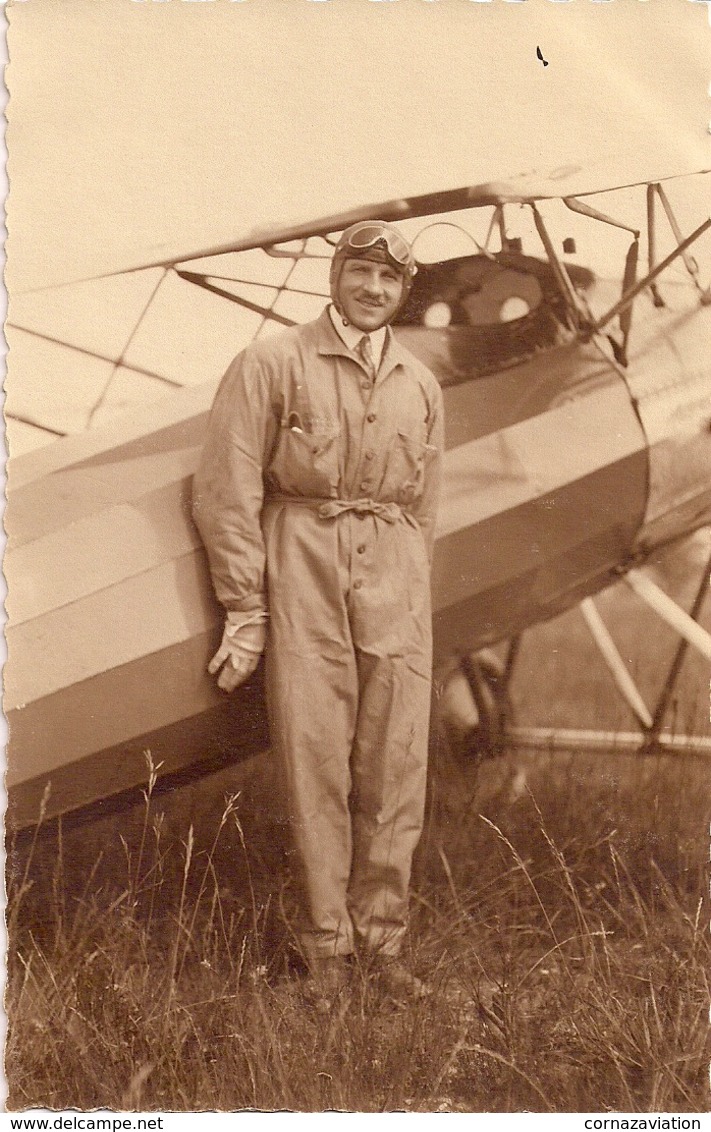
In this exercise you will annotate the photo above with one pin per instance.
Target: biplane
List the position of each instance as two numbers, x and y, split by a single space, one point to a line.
578 415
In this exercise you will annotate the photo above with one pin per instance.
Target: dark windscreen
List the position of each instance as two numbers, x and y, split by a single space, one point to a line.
492 311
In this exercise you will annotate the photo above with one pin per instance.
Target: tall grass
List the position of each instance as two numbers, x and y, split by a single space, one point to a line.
567 951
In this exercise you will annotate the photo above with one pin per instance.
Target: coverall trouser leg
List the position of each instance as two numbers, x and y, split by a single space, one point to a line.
348 685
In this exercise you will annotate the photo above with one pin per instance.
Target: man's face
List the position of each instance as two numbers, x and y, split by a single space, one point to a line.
369 293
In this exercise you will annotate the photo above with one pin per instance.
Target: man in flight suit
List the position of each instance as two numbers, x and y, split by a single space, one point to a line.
316 498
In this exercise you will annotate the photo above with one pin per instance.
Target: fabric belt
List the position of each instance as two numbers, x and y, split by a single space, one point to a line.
331 508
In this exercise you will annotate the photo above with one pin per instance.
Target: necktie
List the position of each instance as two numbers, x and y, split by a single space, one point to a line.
365 349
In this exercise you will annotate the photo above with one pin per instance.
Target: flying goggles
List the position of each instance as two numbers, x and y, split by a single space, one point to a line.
364 237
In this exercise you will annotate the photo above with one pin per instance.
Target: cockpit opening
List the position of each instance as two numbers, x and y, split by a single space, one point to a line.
495 310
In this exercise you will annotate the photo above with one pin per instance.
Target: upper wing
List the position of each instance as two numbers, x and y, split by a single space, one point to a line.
566 181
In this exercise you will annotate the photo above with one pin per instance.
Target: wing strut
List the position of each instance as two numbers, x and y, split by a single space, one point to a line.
649 278
11 416
578 315
594 214
652 242
140 370
119 361
689 262
647 740
265 312
673 674
685 624
618 669
670 612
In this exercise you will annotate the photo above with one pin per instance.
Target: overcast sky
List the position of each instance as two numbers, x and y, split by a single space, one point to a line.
139 123
143 125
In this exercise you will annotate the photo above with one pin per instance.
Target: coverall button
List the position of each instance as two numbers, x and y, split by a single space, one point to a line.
370 418
365 385
361 549
369 455
364 485
357 584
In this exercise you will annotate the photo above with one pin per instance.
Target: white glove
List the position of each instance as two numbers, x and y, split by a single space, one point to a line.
242 645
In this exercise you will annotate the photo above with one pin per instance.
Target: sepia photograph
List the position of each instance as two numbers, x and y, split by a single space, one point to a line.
358 551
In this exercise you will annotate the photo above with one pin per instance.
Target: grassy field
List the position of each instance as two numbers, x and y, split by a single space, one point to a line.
559 912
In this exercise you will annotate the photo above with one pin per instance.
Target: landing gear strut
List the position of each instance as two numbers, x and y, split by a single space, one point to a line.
475 705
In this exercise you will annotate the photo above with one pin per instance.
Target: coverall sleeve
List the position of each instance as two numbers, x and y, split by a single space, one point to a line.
425 510
228 488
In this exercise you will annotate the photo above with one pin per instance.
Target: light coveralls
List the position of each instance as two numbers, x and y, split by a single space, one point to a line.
316 498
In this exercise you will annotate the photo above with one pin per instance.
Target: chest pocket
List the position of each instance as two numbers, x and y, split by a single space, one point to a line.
306 463
405 467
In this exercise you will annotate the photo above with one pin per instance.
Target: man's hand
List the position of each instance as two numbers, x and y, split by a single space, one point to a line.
238 655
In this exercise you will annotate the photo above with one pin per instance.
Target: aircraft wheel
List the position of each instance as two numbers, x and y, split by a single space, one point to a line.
475 706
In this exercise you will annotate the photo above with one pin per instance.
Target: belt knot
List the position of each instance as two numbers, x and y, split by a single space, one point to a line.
390 512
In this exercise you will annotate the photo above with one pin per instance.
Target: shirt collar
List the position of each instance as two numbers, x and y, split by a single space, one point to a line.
351 335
